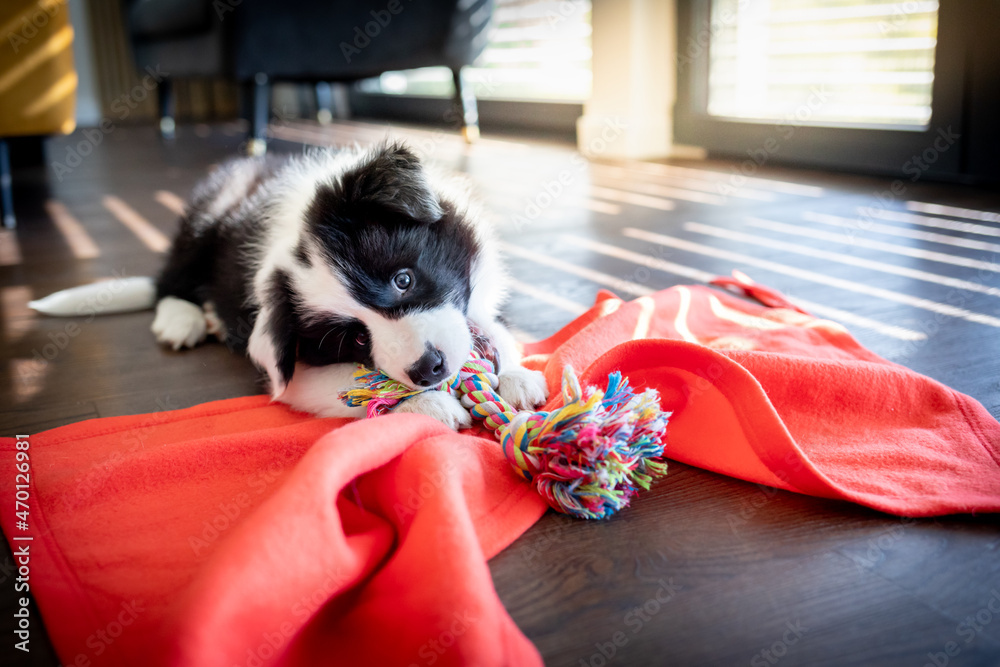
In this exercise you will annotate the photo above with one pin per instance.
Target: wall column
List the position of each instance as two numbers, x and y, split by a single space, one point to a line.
630 112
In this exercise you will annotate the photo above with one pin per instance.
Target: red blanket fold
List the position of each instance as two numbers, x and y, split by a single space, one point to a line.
241 533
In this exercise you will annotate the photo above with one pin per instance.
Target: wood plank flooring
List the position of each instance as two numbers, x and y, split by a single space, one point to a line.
705 570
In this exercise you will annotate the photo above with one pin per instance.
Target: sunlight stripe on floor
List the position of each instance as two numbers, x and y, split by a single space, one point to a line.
10 249
954 211
860 321
548 297
632 174
79 241
379 131
729 179
655 189
617 284
353 133
309 138
691 273
850 260
144 230
170 201
571 197
928 221
643 260
599 206
860 242
892 230
18 318
27 378
632 198
521 190
804 274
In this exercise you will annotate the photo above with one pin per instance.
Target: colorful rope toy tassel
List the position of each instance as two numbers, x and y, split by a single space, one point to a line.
586 458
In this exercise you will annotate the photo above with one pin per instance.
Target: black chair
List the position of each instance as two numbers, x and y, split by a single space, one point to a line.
256 42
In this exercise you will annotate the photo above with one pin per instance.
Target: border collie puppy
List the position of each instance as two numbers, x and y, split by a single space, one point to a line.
312 264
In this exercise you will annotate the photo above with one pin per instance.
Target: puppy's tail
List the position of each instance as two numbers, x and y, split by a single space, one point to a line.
118 295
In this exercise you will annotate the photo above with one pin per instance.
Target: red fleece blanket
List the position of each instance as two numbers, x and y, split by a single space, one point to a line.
241 533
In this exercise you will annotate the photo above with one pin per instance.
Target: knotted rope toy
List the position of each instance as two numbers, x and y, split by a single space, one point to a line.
586 458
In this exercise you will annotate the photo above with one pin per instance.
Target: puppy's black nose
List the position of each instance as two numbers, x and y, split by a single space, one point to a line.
429 369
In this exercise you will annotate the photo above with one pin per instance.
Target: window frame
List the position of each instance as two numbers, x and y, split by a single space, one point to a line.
909 152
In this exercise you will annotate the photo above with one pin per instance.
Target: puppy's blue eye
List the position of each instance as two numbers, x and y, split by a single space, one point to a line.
403 280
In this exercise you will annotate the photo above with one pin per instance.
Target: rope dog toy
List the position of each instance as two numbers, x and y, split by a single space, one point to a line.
586 458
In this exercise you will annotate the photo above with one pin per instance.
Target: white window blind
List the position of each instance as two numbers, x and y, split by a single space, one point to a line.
539 50
834 62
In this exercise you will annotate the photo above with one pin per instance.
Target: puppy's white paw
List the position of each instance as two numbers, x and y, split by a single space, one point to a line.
522 388
178 323
441 406
213 323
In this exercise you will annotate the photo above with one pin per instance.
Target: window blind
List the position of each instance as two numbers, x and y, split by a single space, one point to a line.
837 62
539 50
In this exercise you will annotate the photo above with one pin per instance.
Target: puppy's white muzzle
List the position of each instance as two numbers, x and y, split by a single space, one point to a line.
422 349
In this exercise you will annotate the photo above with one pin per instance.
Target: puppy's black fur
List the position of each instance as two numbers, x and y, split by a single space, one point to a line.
330 259
371 222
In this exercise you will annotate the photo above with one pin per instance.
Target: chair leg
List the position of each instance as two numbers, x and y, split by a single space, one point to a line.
324 102
332 101
340 97
6 187
257 145
465 101
166 101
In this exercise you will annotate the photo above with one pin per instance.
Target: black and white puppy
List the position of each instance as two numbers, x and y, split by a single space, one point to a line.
314 263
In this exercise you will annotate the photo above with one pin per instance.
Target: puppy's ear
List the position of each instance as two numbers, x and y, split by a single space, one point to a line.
390 177
273 342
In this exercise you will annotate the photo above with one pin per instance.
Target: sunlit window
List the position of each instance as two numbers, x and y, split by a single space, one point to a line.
539 50
840 62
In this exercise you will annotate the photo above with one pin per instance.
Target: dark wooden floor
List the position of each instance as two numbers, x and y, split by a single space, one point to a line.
704 570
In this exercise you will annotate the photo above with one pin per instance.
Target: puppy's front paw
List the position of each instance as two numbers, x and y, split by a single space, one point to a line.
178 323
522 388
441 406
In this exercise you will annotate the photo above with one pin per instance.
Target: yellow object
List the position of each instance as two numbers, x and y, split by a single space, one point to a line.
37 77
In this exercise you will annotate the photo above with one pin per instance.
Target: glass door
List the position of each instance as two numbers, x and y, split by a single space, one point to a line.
852 84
